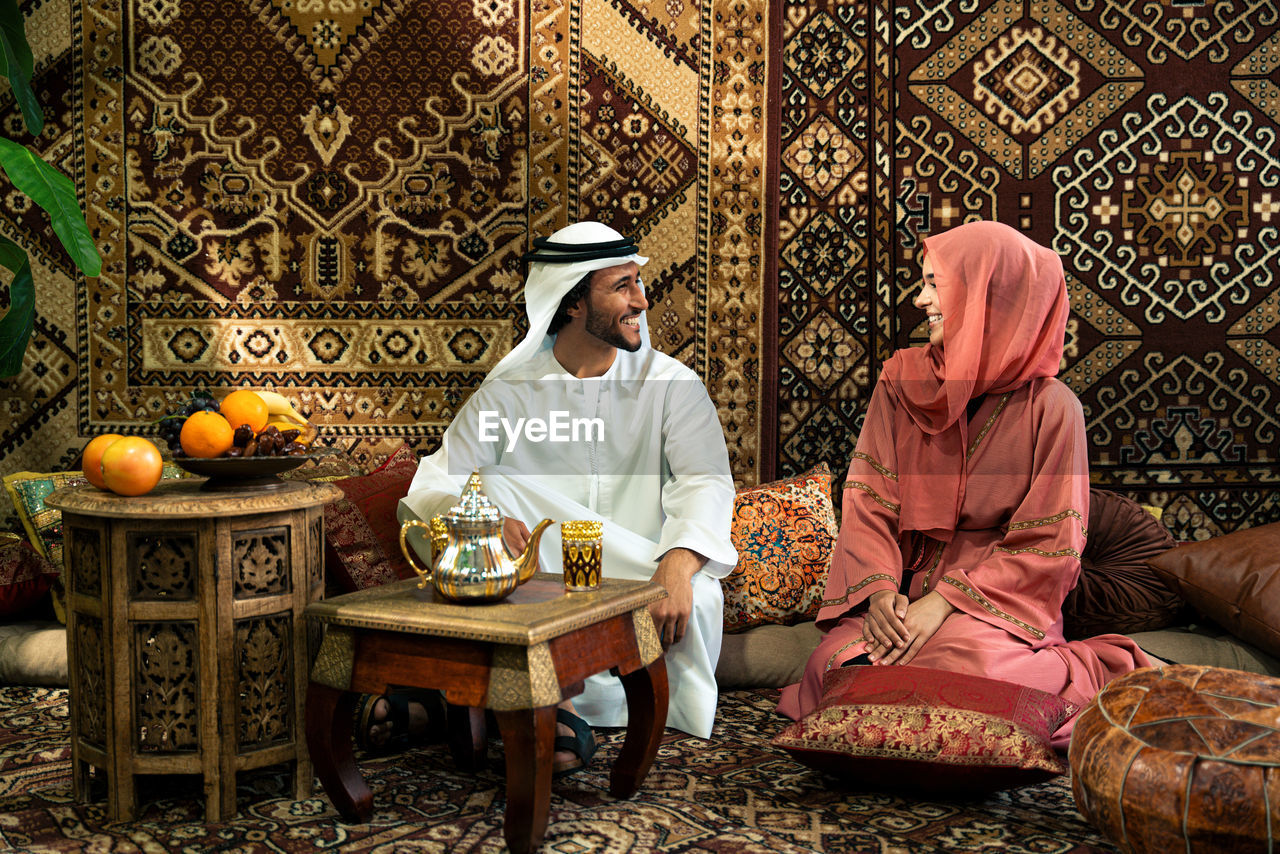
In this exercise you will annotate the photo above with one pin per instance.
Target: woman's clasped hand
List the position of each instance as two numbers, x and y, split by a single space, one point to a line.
896 628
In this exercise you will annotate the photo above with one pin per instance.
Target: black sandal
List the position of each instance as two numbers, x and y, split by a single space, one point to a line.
581 744
398 700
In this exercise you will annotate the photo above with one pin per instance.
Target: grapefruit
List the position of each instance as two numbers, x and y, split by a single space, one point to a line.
131 465
91 460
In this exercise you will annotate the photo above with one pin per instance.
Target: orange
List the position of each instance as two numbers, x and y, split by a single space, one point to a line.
245 406
91 459
206 434
131 465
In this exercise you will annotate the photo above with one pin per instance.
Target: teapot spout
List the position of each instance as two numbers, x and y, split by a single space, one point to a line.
527 561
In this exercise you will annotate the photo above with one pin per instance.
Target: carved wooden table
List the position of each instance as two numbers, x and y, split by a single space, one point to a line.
187 650
519 657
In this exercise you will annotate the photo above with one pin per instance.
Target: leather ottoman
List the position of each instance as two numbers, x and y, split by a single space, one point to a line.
1181 758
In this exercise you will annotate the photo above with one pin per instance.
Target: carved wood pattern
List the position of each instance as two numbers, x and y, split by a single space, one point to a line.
162 566
86 561
264 661
261 562
315 552
91 706
315 572
175 498
166 691
148 671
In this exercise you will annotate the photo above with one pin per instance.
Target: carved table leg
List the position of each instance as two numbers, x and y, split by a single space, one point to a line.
646 716
80 780
329 726
468 737
122 796
527 736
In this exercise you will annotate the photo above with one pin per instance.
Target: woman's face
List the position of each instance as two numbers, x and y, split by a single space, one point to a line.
927 301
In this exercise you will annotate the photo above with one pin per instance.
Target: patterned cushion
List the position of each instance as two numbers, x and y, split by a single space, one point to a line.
43 524
25 576
783 532
326 469
920 729
361 532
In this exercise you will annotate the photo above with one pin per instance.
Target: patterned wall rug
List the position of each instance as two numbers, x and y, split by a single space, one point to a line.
293 197
333 203
1137 139
732 793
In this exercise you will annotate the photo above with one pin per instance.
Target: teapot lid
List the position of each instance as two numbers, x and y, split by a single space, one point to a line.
474 505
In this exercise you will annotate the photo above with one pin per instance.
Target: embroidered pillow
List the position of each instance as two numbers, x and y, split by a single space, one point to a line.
920 729
783 532
326 469
44 524
361 532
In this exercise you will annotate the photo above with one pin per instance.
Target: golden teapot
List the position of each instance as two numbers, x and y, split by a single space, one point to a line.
470 563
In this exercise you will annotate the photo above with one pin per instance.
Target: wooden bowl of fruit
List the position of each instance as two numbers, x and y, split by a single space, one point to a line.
244 441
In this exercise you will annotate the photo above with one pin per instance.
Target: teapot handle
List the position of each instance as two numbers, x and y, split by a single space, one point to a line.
425 574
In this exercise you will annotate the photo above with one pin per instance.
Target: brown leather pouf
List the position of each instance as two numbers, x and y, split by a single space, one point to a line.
1181 759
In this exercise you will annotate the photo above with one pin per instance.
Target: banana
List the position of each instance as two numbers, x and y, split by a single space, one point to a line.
278 404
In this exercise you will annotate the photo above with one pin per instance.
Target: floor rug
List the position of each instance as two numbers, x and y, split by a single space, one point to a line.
731 793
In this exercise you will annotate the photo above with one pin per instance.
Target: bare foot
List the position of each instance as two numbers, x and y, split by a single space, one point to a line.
381 728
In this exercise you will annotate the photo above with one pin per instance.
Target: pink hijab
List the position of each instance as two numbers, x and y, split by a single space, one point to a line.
1004 308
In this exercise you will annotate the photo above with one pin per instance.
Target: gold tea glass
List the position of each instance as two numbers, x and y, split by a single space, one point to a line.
580 548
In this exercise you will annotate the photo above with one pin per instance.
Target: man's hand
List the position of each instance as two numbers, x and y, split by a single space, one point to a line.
924 617
515 534
675 572
883 626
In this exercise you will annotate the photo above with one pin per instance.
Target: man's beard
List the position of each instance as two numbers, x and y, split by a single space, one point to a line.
602 327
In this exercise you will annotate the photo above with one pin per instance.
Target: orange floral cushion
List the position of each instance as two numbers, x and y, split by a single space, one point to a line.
361 531
783 532
920 729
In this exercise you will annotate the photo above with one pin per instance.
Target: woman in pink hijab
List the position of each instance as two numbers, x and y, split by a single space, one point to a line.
967 498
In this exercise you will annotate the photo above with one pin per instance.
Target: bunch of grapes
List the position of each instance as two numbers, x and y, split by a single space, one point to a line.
170 426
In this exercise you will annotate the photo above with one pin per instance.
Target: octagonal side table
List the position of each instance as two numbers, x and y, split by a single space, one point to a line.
187 649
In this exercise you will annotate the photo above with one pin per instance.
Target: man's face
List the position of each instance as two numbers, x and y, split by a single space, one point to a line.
614 303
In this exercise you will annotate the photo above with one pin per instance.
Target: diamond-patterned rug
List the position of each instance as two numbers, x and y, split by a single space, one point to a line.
1136 139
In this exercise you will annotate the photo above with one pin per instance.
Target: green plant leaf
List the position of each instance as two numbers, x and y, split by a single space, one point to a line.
54 192
17 323
17 64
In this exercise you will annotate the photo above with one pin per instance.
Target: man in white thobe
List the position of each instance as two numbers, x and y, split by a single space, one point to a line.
585 420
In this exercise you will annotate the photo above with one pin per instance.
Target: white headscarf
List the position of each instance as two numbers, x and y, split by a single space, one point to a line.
550 280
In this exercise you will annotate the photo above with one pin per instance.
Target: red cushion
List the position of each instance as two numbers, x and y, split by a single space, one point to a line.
25 577
361 531
920 729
